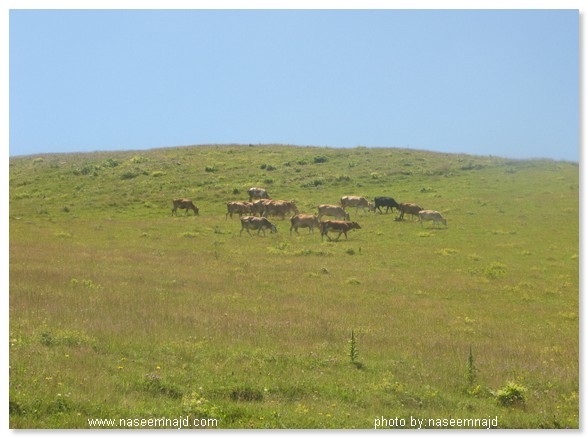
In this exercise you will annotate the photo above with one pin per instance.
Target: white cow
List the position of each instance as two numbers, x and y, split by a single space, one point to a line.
431 215
257 193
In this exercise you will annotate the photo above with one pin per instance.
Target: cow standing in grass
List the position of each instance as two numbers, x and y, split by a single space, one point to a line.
332 210
357 202
257 193
279 208
259 206
304 221
385 201
409 208
240 208
256 223
184 204
341 226
432 215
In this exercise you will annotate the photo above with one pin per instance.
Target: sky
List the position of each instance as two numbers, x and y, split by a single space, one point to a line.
483 82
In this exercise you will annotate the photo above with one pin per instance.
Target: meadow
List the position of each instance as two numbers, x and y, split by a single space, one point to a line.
119 310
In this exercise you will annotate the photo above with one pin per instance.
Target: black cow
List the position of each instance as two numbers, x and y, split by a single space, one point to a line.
384 201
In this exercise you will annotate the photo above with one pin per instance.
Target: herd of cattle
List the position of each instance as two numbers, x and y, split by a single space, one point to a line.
261 204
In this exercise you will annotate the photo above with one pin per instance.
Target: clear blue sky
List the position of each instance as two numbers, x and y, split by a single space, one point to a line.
503 82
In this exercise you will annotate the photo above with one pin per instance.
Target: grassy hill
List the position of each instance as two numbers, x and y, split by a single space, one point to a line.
119 310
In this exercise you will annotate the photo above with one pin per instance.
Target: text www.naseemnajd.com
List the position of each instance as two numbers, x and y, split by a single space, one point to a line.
435 423
157 423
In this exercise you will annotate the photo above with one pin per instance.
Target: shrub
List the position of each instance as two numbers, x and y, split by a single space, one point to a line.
57 405
511 394
495 270
210 169
111 162
320 159
47 339
314 183
245 393
68 338
306 252
129 175
137 159
154 384
189 234
197 406
87 169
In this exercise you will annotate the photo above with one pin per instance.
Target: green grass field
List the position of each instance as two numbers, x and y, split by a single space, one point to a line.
119 310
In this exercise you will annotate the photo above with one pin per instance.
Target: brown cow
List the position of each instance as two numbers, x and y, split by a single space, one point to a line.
357 202
256 223
279 208
341 226
259 206
304 221
185 204
238 207
332 210
409 208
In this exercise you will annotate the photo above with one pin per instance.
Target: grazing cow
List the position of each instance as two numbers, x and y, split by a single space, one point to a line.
238 207
431 215
304 221
185 204
256 223
332 210
279 208
357 202
259 206
409 208
341 226
384 201
257 193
